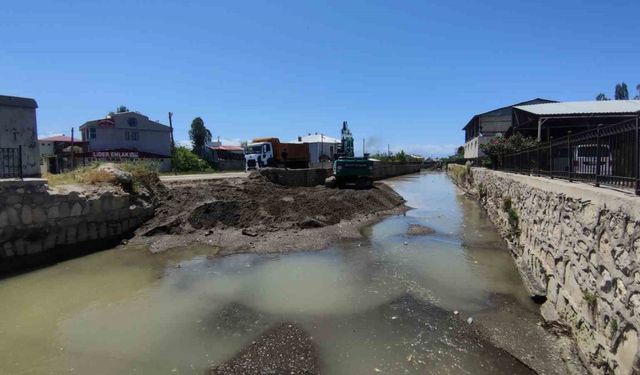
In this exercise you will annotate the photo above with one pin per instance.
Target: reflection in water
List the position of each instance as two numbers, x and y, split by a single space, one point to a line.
373 304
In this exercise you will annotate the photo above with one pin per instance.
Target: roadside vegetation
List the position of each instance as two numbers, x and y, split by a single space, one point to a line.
398 157
184 160
143 173
498 147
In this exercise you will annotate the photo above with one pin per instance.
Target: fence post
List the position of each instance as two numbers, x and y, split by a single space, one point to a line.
569 154
20 160
636 150
551 157
597 184
538 159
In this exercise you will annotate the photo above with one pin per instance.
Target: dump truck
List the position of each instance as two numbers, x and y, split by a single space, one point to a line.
354 171
270 152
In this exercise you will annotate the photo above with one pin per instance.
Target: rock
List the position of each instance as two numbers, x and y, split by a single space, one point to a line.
26 216
420 230
469 320
246 232
284 349
311 223
120 177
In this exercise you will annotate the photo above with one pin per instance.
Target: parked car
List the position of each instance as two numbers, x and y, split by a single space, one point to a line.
585 159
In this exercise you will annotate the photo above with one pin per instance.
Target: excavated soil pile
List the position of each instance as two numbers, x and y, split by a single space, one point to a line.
256 206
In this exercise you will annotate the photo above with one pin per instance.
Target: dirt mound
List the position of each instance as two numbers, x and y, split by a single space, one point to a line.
258 206
284 349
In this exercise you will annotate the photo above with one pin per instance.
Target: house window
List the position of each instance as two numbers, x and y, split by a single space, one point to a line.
135 136
127 135
92 133
132 121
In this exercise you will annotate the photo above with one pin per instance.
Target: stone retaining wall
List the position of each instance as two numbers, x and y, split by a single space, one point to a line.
578 246
35 220
383 170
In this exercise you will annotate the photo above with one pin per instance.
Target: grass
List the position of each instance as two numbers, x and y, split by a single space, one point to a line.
143 174
591 299
614 326
482 191
506 204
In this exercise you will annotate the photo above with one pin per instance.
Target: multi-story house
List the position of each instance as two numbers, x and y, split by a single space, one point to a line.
127 135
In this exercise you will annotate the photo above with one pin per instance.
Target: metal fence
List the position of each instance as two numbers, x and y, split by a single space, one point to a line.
604 155
11 162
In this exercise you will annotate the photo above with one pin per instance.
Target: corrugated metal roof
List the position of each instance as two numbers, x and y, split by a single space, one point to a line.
583 107
226 148
60 138
317 138
16 101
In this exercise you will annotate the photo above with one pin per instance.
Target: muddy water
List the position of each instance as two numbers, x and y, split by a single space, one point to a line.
384 304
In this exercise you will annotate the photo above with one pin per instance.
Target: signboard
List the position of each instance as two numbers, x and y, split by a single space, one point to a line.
115 154
107 123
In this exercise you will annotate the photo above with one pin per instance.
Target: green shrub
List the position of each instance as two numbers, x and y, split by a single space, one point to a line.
482 191
590 298
185 161
614 326
506 204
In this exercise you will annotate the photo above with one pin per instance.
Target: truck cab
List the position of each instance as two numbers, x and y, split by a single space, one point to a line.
258 155
353 171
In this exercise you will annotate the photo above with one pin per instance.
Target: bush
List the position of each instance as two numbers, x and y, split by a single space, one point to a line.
186 161
506 204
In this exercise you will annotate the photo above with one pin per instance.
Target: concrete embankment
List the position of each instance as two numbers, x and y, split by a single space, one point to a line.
576 246
316 176
39 224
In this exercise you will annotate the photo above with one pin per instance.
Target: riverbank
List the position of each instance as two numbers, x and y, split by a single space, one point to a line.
255 215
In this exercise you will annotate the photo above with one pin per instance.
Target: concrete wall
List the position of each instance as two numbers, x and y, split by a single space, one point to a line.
577 245
316 176
385 170
35 221
18 127
296 177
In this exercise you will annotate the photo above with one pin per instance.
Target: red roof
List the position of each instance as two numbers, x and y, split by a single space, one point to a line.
60 138
227 148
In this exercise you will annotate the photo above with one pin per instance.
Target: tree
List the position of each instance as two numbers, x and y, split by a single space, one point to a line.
500 146
621 92
601 97
199 135
637 97
185 161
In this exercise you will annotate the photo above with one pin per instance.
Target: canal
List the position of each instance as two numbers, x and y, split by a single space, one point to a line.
449 302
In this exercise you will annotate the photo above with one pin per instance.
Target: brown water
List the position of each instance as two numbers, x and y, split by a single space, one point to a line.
377 305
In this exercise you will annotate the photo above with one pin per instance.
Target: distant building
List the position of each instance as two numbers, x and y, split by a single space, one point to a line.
127 136
55 152
542 121
483 127
322 148
18 131
226 157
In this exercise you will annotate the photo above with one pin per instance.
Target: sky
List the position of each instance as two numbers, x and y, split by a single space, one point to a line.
404 74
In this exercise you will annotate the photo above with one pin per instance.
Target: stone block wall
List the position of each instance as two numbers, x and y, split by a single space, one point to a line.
578 246
35 220
383 170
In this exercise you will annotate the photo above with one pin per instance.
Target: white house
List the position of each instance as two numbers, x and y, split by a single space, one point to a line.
322 148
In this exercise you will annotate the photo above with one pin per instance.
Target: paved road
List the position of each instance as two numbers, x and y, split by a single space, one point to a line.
208 176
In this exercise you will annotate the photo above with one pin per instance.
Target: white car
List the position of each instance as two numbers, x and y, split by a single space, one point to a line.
585 160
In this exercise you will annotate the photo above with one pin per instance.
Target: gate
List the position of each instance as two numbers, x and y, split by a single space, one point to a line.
11 162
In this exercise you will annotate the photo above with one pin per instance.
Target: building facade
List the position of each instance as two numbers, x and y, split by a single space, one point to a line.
19 150
127 136
322 148
484 127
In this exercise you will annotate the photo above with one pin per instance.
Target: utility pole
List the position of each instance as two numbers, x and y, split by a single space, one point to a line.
388 149
363 150
73 151
173 144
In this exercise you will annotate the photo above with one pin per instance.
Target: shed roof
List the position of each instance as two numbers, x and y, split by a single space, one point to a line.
583 107
494 111
226 148
317 138
16 101
60 138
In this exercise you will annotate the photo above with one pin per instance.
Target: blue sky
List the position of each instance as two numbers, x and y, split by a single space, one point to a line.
408 74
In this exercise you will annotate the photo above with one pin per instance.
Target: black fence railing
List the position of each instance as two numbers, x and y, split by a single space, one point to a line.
604 155
11 162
